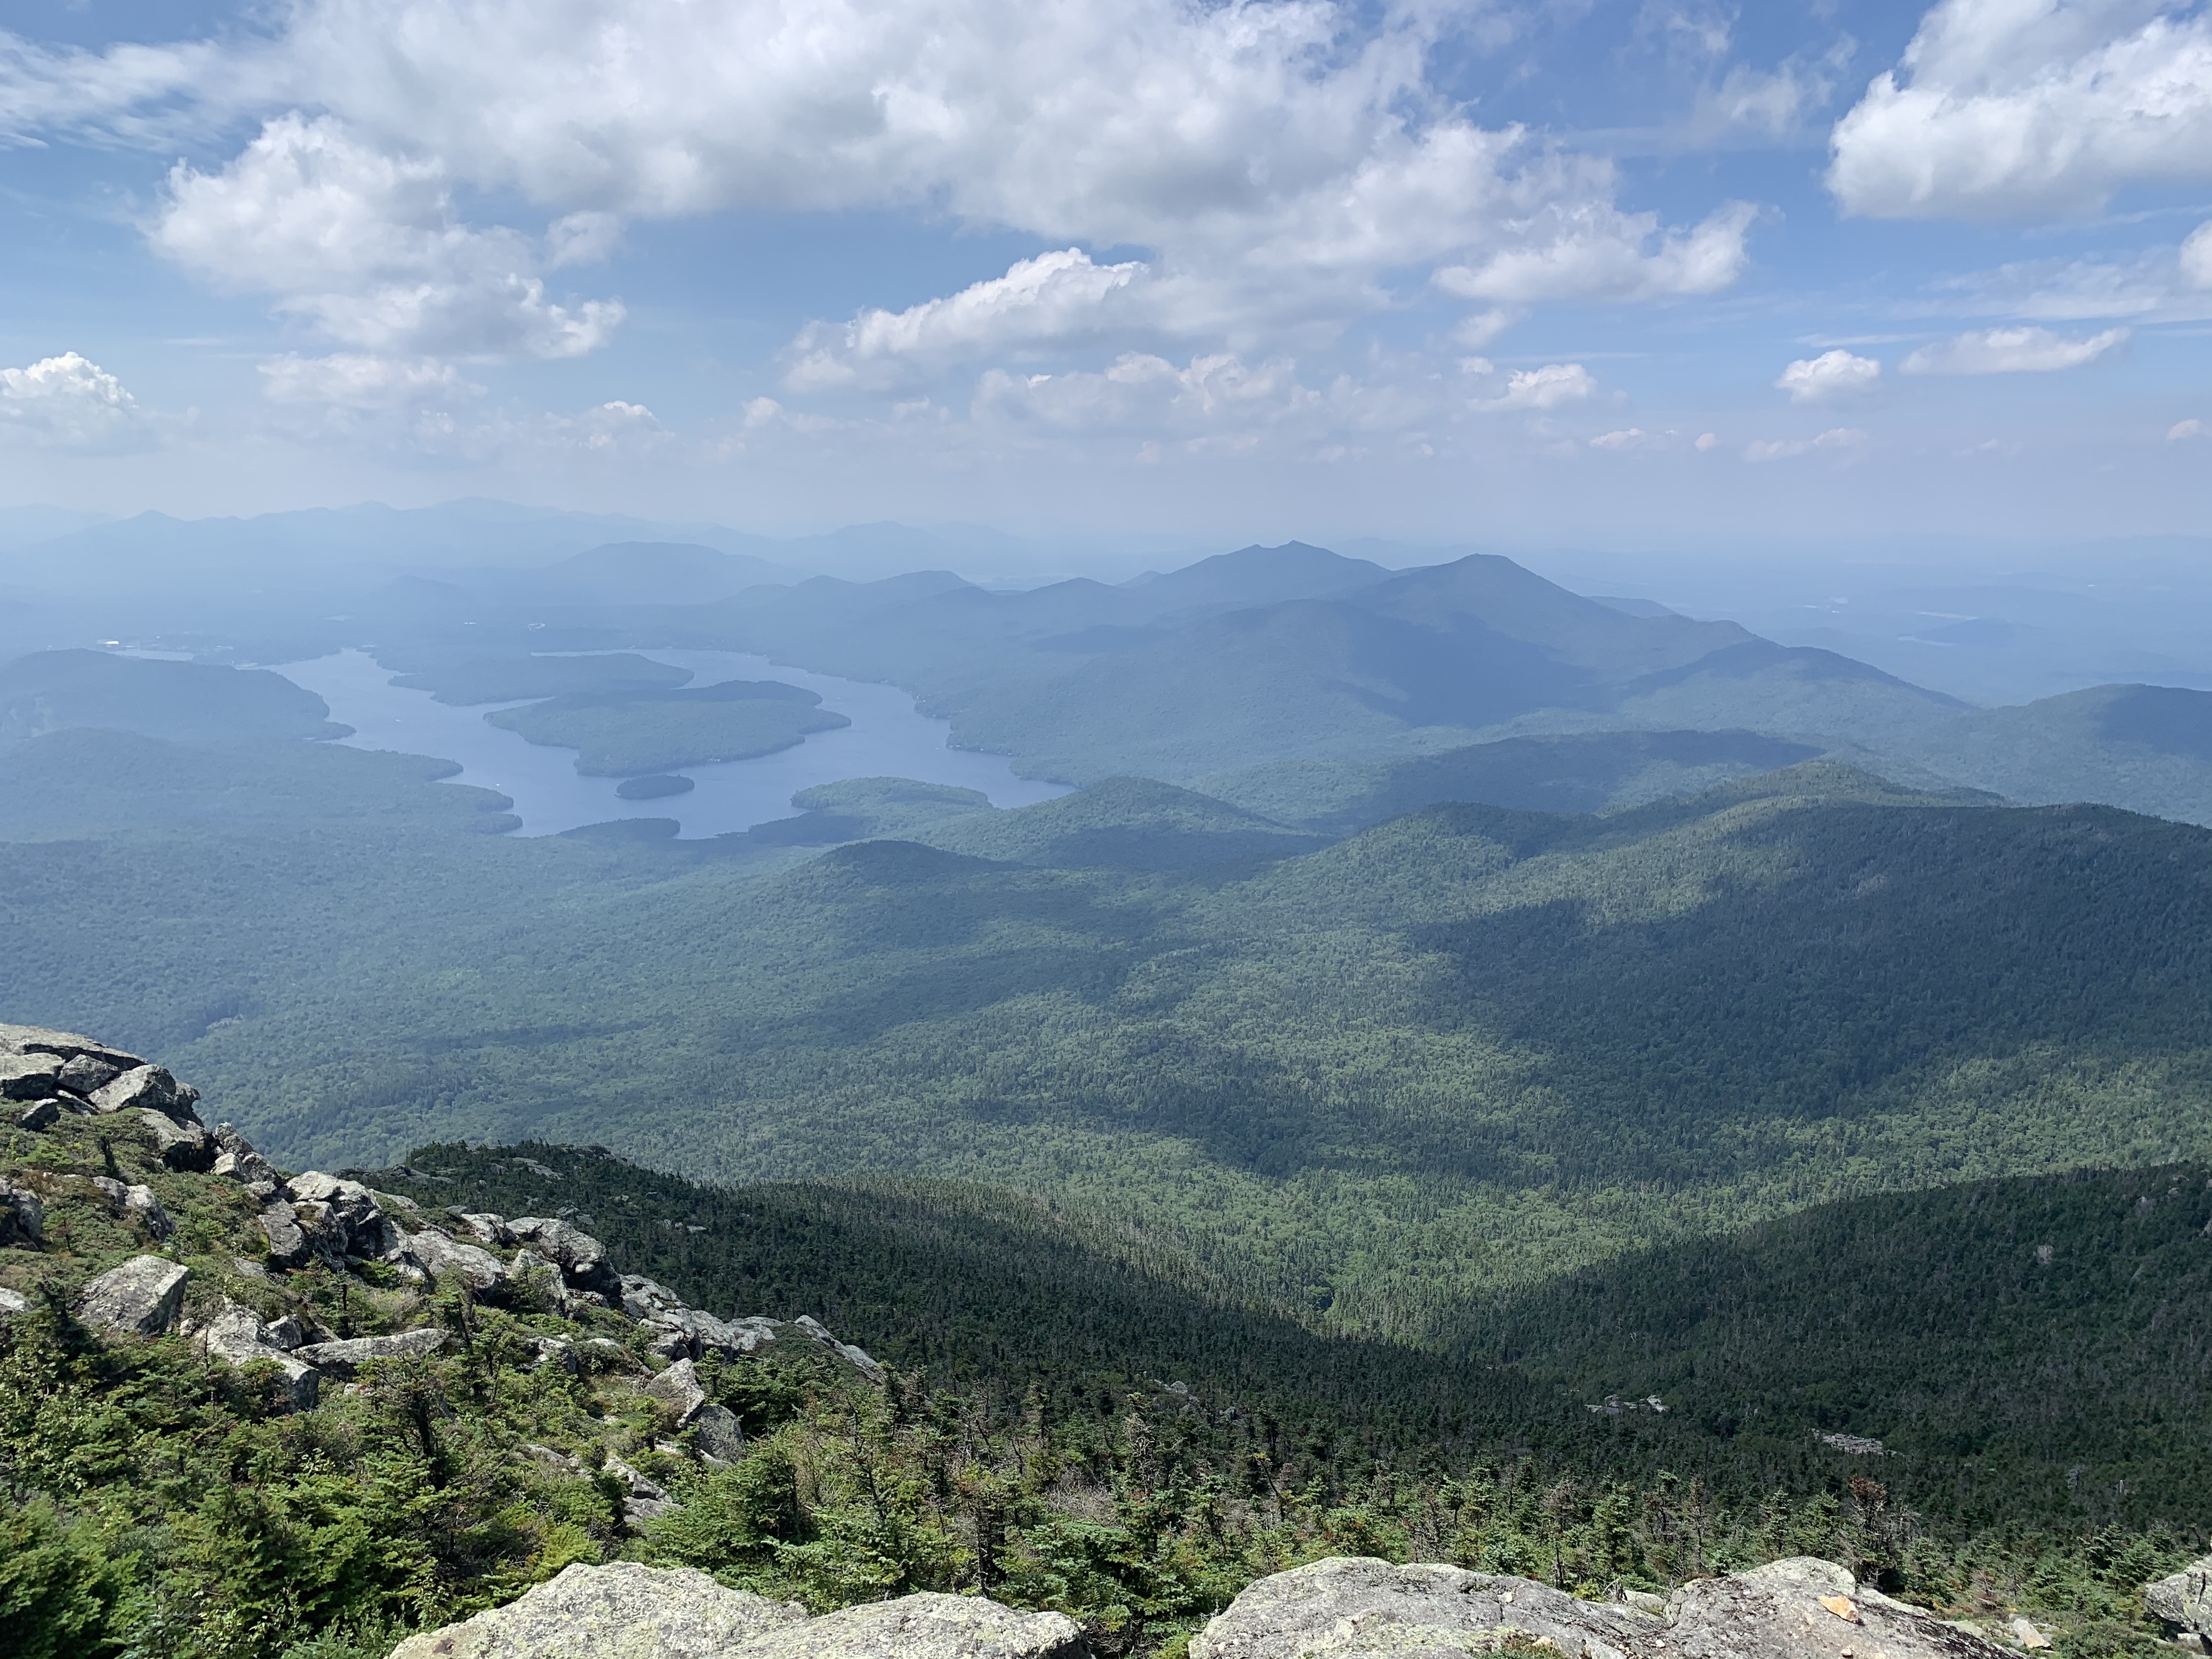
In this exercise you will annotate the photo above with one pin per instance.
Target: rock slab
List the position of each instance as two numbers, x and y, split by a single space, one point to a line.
925 1626
142 1296
620 1611
2185 1598
1357 1607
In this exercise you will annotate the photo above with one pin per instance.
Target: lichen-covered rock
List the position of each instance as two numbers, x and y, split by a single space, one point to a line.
1358 1608
39 1114
22 1217
679 1389
857 1356
64 1045
717 1433
11 1304
180 1145
582 1258
29 1077
142 1296
149 1088
476 1266
1805 1608
343 1359
620 1611
925 1626
236 1335
2184 1599
288 1240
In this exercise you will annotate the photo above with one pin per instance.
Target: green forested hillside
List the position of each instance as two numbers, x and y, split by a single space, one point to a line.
1461 1051
1586 772
2145 747
195 703
2028 1351
2018 1346
622 734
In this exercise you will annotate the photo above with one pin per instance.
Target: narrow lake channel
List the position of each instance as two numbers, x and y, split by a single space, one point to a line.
888 738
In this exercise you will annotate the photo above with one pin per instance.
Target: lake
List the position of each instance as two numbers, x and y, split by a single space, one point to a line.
888 738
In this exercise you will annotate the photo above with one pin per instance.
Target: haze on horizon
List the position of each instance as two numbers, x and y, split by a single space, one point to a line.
1639 272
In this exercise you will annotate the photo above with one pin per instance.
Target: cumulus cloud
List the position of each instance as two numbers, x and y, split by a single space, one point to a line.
365 248
68 403
2197 257
2010 351
1218 395
1284 164
1839 440
1833 377
1635 439
1056 299
1592 251
2184 429
1551 387
2024 108
352 381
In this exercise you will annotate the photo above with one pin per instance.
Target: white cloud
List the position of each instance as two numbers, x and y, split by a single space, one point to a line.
1592 251
364 247
2197 257
2010 351
1284 164
1632 438
352 381
1214 396
1551 387
2020 108
1842 440
1832 377
1054 298
2184 429
67 402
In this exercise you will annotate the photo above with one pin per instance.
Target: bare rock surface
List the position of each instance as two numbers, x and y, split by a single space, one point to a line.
343 1359
236 1335
141 1297
149 1088
22 1217
476 1266
2184 1599
29 1077
622 1611
1361 1608
67 1045
925 1626
180 1145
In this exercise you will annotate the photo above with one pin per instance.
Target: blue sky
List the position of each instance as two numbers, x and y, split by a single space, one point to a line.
1631 272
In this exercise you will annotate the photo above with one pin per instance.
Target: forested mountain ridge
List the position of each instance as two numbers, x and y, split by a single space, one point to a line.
1459 1050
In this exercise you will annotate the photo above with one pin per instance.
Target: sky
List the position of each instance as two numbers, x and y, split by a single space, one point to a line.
1664 273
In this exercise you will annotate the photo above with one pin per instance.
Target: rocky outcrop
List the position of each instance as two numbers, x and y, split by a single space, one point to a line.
51 1073
1361 1608
1353 1607
1807 1606
237 1336
925 1626
22 1217
346 1358
141 1297
2184 1600
147 1088
626 1611
622 1611
137 1202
